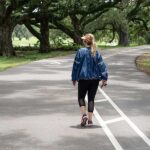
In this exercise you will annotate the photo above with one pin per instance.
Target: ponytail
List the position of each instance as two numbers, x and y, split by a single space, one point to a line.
93 48
93 45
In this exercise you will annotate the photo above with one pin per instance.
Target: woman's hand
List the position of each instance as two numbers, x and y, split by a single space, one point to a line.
74 83
104 83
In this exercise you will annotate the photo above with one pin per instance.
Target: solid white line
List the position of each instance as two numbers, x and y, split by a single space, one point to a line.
114 120
131 124
106 129
100 100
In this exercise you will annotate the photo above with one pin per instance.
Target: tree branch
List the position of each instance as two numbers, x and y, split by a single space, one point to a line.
135 10
113 37
99 7
33 31
144 23
64 28
13 6
90 19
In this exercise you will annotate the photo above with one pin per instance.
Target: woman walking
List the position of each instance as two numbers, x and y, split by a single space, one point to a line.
88 70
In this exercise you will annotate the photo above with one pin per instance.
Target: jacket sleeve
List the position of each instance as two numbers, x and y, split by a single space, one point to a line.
103 70
75 68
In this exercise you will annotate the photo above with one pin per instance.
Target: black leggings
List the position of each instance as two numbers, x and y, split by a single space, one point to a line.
90 86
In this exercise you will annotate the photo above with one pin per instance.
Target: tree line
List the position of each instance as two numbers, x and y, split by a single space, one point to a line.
72 17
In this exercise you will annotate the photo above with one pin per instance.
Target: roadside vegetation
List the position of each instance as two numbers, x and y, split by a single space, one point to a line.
37 29
143 62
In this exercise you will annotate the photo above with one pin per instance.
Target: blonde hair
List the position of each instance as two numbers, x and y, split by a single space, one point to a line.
89 39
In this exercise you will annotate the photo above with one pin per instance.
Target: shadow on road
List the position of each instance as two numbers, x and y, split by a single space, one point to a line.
86 127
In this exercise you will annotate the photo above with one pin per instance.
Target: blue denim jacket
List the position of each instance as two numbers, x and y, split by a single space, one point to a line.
88 67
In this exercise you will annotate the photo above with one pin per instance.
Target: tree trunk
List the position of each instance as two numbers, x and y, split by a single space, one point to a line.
6 47
44 40
77 30
77 39
123 36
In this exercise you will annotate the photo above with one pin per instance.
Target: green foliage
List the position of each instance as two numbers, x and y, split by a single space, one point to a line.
104 25
128 16
58 38
20 32
140 41
76 17
23 42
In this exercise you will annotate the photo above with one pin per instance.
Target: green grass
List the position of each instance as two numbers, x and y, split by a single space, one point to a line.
27 57
146 63
143 62
6 63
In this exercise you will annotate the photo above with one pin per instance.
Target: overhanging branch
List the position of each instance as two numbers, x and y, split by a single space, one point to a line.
33 31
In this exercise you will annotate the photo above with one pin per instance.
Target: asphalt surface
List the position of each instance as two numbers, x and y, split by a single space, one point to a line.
39 109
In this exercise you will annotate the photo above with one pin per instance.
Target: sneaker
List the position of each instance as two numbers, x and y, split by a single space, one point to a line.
84 120
90 123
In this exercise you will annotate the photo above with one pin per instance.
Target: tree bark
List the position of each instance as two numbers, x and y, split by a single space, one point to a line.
77 29
42 36
6 47
77 39
123 36
44 40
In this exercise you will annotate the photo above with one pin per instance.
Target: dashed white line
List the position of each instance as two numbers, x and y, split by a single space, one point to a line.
100 100
112 138
131 124
114 120
107 131
103 123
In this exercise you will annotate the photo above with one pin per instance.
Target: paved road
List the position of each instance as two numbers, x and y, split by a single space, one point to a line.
39 110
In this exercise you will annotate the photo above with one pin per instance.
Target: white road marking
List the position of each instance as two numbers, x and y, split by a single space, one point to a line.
107 131
111 137
131 124
124 117
114 120
113 140
100 100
